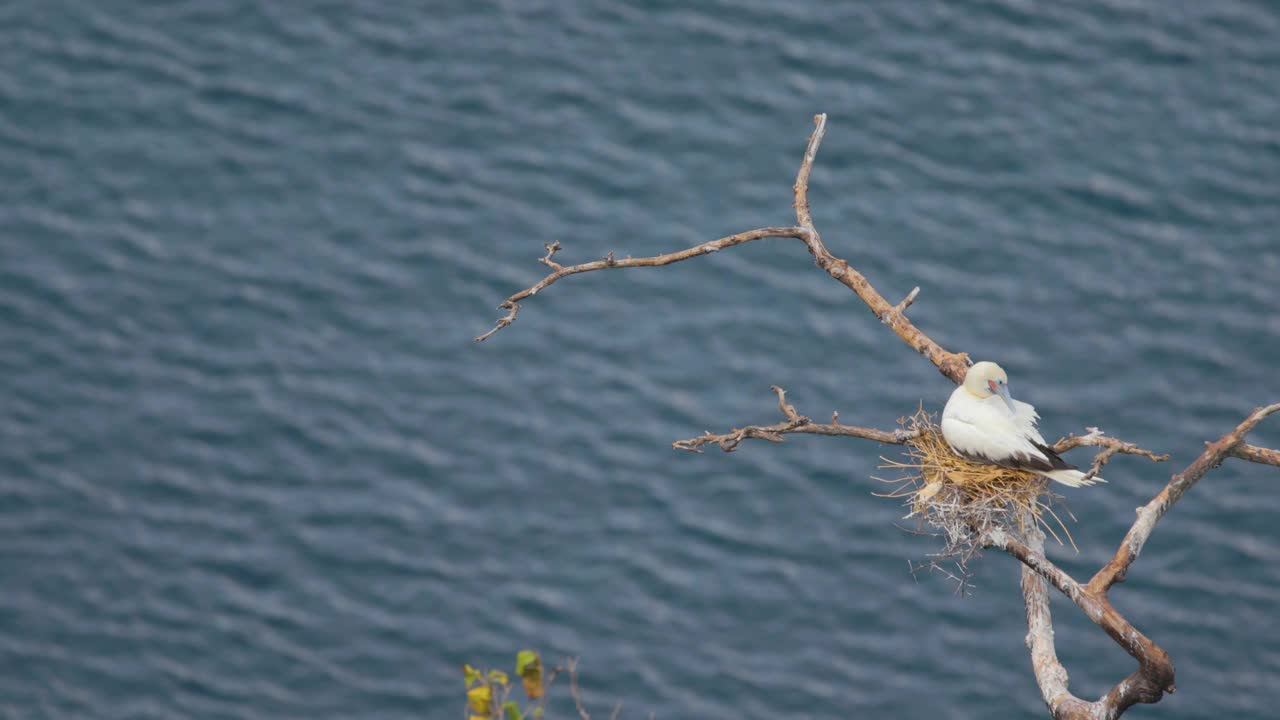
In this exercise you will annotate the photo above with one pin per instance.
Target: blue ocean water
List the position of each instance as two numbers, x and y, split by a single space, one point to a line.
253 466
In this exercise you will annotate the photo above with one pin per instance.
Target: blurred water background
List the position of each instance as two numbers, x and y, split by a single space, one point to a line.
253 466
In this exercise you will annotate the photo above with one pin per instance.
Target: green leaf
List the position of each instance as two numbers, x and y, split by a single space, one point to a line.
471 674
529 668
537 713
524 659
480 699
512 710
498 677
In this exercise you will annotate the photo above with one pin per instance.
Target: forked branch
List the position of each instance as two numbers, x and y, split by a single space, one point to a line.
794 423
558 271
953 365
1150 514
1155 674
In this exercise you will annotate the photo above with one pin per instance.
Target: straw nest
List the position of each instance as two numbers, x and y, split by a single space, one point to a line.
964 501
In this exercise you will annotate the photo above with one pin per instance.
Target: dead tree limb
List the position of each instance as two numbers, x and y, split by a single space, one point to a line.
1110 446
558 271
1150 514
794 423
953 365
1154 675
1260 455
799 424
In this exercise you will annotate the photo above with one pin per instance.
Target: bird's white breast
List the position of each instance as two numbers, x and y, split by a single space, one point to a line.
987 428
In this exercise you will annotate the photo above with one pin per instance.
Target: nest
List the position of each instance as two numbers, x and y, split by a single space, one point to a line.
965 501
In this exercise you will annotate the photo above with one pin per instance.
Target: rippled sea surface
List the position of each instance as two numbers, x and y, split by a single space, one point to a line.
252 464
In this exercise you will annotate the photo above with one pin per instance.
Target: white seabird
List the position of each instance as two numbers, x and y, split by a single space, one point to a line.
983 422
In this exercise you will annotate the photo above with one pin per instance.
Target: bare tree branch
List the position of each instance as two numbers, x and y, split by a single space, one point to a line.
1035 559
571 666
799 424
953 365
794 423
1050 675
1253 453
1150 514
1110 445
558 271
1148 683
1155 673
902 306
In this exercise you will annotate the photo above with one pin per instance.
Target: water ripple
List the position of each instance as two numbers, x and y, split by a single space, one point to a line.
254 467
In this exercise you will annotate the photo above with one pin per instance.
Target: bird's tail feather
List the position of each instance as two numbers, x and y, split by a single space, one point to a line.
1072 478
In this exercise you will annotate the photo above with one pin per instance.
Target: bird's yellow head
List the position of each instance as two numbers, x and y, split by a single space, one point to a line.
985 379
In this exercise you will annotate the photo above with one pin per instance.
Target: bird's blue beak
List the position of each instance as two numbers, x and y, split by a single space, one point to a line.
1008 399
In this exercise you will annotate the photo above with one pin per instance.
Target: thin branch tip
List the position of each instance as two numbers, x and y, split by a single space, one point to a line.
552 249
908 300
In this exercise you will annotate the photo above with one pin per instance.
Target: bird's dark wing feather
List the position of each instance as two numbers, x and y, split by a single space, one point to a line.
1023 461
1055 458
